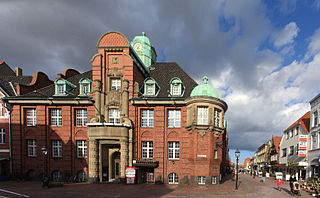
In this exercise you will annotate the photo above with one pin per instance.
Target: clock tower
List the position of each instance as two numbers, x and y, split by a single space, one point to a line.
144 49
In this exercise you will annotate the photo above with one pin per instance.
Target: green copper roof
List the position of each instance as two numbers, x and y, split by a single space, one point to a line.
205 90
143 39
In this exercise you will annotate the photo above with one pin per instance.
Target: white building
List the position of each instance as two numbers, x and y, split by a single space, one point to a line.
293 148
314 143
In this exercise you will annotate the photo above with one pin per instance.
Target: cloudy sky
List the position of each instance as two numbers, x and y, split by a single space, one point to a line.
262 56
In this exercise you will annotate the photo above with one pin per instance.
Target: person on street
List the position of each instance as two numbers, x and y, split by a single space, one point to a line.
263 176
279 182
291 180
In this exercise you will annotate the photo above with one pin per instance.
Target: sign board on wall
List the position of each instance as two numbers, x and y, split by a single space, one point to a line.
130 174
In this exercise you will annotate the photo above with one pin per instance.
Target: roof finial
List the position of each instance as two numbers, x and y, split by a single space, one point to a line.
143 34
205 79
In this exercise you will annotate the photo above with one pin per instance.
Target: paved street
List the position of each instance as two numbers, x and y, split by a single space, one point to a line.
249 187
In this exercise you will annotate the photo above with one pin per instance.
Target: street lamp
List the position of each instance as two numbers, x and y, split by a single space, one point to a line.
45 179
237 154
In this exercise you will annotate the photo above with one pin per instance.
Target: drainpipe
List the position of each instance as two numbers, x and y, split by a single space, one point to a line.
10 143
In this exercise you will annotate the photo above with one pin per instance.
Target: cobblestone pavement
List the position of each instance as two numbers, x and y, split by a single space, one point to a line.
248 187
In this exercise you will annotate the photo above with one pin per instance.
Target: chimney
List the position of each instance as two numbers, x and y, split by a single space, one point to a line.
18 71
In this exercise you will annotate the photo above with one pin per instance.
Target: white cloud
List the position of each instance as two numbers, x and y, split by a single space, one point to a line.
286 35
316 4
314 45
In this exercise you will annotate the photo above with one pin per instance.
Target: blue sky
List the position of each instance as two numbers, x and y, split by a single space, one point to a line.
263 56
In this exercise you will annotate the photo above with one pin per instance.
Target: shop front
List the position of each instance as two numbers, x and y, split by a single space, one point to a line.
145 170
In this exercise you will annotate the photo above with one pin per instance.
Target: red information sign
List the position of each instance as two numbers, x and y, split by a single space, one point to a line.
130 175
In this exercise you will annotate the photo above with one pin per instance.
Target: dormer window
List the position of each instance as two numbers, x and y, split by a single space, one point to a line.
176 87
151 88
62 87
116 84
85 86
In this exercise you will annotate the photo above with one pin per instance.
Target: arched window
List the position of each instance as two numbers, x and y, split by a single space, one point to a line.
176 87
56 176
173 178
151 88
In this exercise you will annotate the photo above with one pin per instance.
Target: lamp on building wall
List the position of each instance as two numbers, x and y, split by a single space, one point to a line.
237 154
45 179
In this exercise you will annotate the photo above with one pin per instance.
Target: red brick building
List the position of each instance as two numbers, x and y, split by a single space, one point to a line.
128 111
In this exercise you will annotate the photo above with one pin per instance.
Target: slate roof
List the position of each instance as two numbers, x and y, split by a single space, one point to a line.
304 121
49 91
8 75
162 73
276 142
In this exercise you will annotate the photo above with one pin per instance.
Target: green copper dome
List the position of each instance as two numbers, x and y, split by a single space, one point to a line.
205 90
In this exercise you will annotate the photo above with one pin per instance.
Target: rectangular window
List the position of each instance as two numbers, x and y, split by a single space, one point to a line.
32 148
202 116
213 180
217 113
315 118
82 148
85 88
287 135
116 84
314 142
284 152
150 89
2 136
201 180
1 110
61 90
173 150
31 115
147 118
81 117
291 133
291 150
114 116
297 149
56 117
56 148
215 154
176 90
147 150
174 118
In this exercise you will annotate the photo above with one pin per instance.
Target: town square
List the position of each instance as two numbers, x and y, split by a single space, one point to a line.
137 98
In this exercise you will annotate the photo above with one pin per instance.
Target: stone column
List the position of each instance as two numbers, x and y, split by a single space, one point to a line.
97 99
93 161
123 157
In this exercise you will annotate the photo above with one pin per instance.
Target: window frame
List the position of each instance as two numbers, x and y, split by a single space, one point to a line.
81 117
81 148
2 135
202 115
31 117
114 116
115 84
56 117
291 150
217 116
176 87
284 152
176 118
201 180
147 120
32 148
173 178
147 149
173 150
56 148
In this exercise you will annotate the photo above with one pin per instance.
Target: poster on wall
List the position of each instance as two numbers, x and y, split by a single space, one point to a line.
130 175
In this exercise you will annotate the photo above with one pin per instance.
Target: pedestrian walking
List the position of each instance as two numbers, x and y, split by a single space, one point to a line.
263 176
291 180
279 182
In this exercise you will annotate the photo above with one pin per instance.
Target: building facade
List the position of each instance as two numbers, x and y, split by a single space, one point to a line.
293 149
313 139
128 111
